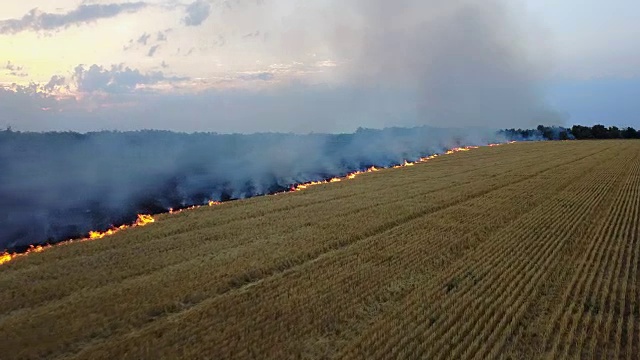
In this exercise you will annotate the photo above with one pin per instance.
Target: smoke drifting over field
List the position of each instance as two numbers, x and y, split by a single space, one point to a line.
458 63
60 185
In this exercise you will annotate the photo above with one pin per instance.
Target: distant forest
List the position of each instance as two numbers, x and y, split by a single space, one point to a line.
577 132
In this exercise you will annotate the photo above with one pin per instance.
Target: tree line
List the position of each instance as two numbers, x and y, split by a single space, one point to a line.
577 132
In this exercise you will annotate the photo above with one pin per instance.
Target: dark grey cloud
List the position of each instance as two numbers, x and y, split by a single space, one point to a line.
197 12
152 51
143 39
15 70
55 82
148 42
36 20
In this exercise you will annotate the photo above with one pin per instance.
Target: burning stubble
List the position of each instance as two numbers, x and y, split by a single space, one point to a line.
63 185
461 63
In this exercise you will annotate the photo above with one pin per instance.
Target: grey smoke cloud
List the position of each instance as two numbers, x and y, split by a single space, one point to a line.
36 20
458 62
407 62
91 181
455 63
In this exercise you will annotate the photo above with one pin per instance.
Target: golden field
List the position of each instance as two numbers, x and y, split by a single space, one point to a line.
527 250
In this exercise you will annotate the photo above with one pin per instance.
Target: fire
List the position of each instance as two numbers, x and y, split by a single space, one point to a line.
173 212
353 175
404 164
144 220
6 257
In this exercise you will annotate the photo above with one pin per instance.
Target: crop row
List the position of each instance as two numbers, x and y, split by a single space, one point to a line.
466 311
436 260
603 289
320 299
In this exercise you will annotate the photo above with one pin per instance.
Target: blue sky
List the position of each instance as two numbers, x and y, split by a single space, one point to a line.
591 38
323 66
596 70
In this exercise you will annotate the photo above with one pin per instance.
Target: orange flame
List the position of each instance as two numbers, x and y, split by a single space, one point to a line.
405 163
6 257
144 220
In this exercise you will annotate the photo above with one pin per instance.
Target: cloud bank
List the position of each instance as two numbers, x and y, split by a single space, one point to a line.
115 80
36 20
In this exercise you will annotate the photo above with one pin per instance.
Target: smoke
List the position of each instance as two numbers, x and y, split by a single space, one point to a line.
60 185
415 62
461 64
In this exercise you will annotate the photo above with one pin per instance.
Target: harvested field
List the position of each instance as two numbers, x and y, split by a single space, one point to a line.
527 250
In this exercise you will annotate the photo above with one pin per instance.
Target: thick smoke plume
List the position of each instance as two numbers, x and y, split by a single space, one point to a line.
409 62
60 185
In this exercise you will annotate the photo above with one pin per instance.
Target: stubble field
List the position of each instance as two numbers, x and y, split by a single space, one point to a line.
526 250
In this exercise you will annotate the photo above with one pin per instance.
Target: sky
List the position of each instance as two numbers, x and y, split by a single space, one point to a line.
316 66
